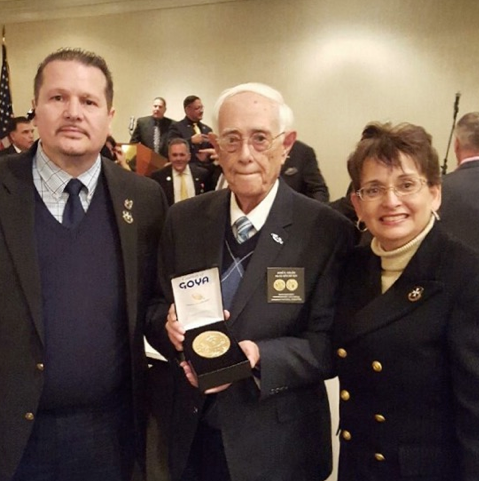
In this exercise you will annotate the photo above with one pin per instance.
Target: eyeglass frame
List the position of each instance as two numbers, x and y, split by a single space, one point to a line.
248 139
385 189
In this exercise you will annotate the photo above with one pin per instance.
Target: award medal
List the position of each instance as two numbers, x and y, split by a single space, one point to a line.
211 344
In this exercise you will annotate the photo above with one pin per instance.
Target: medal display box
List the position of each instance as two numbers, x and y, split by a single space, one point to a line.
213 354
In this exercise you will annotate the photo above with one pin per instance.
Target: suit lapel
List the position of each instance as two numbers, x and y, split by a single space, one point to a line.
214 229
419 282
170 189
123 198
273 235
17 215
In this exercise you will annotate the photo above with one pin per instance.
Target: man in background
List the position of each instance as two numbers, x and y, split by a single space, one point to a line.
301 172
21 135
460 189
181 180
78 245
152 131
193 131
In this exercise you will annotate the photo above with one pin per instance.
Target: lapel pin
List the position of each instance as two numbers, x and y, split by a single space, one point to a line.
128 204
168 179
415 294
277 238
127 217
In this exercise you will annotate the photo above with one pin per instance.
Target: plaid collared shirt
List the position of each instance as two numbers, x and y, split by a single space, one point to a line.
50 181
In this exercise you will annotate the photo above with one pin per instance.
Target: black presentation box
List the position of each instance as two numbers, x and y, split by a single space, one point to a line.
212 352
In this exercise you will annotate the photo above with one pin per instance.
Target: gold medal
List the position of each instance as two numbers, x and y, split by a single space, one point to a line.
211 344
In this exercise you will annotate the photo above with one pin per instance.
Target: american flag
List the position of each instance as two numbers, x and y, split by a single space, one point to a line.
6 109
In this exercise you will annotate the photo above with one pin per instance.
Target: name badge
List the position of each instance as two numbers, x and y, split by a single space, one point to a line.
286 285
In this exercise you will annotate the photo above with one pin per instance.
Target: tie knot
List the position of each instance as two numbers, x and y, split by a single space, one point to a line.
244 229
73 187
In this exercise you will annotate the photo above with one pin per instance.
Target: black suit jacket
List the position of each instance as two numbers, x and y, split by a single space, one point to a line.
184 130
410 355
21 320
301 172
143 133
281 431
460 207
164 177
9 150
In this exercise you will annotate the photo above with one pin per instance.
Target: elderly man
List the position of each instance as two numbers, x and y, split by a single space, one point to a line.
152 130
21 136
460 189
180 180
193 130
78 244
274 425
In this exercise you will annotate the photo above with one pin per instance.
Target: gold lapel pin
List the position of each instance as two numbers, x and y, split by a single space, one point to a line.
128 204
415 294
127 217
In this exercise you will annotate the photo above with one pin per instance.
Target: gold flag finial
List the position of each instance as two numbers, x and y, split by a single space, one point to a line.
3 34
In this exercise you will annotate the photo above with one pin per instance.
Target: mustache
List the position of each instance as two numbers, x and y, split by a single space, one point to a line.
73 127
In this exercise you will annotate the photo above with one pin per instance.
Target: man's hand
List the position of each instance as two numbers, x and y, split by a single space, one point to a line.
176 332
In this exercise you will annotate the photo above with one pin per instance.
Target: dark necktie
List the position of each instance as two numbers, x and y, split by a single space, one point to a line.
73 213
156 136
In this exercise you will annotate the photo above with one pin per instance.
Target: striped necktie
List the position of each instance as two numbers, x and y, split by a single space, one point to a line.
243 229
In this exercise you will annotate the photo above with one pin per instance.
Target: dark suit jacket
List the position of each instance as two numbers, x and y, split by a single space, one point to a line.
281 432
143 133
301 172
9 150
165 178
460 206
21 320
427 347
184 130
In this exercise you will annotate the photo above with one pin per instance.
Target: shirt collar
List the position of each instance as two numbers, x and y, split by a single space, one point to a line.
468 159
55 179
260 213
177 174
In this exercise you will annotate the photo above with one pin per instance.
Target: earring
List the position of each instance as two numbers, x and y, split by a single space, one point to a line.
436 215
358 226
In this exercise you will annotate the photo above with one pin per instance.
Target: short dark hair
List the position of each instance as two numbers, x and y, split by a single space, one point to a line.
189 100
385 142
14 121
160 98
178 141
84 57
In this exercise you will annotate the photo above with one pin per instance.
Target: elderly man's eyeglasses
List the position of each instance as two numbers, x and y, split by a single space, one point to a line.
373 191
260 141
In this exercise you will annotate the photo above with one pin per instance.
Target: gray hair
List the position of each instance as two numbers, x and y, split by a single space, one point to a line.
286 117
467 131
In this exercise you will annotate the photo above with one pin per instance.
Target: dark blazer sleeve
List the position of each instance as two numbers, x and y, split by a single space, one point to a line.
136 136
301 172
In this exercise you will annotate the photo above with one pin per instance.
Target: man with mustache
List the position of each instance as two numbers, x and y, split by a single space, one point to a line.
78 247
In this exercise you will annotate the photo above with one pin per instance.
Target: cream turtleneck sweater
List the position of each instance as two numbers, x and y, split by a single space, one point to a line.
394 262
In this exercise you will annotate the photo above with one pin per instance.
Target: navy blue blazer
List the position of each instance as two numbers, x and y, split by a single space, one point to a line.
21 321
184 129
408 364
164 177
282 430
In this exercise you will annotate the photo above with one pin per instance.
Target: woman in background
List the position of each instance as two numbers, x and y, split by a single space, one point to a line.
407 326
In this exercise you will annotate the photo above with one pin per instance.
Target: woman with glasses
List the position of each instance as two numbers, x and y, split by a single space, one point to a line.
407 325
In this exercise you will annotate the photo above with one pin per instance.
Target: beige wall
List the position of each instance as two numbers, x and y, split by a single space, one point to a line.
339 63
